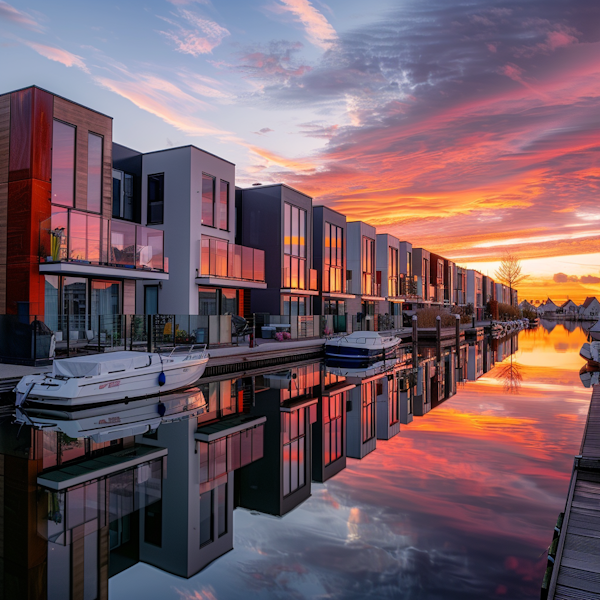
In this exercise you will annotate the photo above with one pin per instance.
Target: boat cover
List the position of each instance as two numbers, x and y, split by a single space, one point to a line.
100 364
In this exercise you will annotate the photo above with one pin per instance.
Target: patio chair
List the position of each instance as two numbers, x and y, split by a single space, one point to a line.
240 327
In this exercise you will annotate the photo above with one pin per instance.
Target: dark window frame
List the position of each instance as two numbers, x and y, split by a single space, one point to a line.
150 203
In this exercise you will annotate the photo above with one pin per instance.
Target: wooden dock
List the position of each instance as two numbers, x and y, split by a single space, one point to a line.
576 571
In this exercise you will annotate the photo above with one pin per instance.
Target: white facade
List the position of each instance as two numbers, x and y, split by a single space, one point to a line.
182 222
474 288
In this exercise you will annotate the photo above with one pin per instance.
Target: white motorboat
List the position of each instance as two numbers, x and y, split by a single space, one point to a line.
594 331
109 422
113 377
361 346
358 374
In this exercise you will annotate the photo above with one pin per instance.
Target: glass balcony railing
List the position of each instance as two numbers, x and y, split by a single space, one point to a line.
73 236
408 286
313 280
333 279
370 287
219 258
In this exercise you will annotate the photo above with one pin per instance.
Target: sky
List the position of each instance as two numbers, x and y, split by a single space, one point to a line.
469 128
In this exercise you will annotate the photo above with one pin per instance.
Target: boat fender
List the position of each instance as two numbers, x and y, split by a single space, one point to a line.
162 409
162 378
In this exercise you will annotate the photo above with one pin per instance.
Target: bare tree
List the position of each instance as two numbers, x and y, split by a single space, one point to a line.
510 272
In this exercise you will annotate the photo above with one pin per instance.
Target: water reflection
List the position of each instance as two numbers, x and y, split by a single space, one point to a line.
458 503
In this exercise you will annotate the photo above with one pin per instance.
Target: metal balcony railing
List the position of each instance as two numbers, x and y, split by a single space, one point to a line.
73 236
219 258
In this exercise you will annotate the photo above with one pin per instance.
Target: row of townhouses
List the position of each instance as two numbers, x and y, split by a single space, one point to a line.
87 227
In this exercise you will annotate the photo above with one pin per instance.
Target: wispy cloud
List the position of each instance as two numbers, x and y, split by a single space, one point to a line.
18 17
317 28
203 36
58 54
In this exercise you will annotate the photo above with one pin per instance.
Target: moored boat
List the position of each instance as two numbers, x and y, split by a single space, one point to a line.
362 345
113 377
594 331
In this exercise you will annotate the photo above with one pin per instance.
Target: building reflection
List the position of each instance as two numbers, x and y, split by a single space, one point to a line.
86 495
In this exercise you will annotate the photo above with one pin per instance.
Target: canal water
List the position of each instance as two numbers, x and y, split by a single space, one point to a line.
427 480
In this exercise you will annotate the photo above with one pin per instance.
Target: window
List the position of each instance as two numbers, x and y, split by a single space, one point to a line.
294 247
368 266
368 410
393 271
156 195
409 264
122 203
153 524
333 263
333 430
63 163
94 183
208 200
294 447
294 306
206 509
223 216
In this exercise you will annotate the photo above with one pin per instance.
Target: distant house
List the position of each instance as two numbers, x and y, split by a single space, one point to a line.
525 305
548 308
590 309
569 308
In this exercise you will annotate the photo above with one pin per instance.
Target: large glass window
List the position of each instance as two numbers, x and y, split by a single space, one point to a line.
106 298
221 505
123 201
156 197
393 401
294 450
333 430
392 271
51 302
294 247
208 301
75 305
368 266
223 213
151 299
294 306
94 185
333 279
208 200
369 390
229 302
63 163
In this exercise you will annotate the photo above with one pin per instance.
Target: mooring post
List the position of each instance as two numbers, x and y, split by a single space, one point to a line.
438 328
458 339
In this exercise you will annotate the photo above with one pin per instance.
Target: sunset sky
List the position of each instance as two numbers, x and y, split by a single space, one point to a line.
468 128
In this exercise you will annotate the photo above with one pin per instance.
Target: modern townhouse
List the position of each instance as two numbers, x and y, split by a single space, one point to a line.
329 260
590 309
278 220
438 278
502 293
388 264
488 288
190 194
388 407
421 270
65 258
475 292
365 280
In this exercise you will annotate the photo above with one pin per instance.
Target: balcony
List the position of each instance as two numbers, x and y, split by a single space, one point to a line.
241 264
333 279
408 286
294 276
370 287
76 242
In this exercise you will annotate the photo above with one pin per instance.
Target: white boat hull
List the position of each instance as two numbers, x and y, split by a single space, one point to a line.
142 382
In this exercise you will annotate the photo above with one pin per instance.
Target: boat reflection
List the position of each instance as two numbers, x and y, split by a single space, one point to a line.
93 492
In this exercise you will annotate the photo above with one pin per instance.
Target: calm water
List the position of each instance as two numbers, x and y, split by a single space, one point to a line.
460 504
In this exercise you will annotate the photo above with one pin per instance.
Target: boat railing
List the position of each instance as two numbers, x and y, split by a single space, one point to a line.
189 349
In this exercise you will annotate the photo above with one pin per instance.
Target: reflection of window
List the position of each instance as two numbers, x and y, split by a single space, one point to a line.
294 247
122 205
213 514
208 200
221 397
294 446
63 163
369 391
333 439
393 401
94 182
392 271
206 509
156 196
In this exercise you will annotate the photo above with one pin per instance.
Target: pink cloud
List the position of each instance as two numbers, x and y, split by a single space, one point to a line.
10 13
59 55
318 29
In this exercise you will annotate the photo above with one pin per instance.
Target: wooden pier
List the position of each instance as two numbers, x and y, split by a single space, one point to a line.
576 571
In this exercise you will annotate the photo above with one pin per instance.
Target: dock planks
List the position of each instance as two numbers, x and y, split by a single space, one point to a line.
576 573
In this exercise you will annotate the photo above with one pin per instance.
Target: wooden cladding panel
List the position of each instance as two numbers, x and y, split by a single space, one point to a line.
129 297
86 120
4 136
